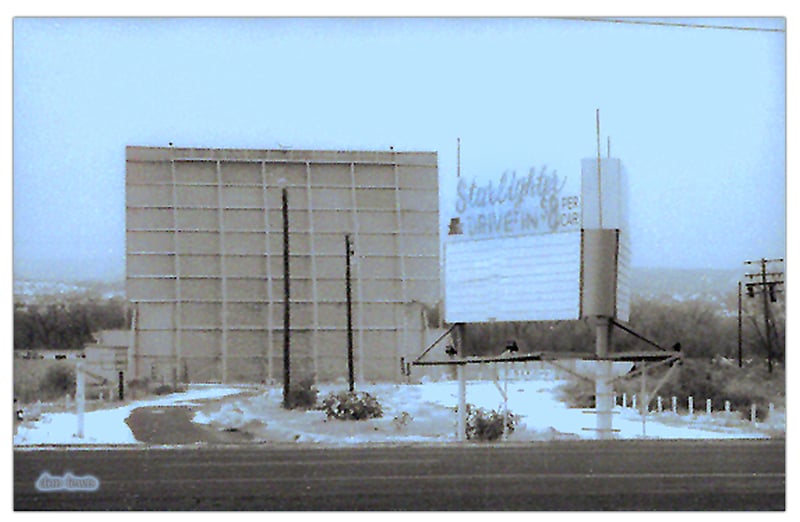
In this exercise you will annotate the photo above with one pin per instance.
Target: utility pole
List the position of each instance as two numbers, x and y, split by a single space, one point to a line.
766 283
348 289
286 297
739 325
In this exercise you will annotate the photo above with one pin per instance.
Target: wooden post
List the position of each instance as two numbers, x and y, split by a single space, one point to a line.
739 325
286 297
348 292
766 313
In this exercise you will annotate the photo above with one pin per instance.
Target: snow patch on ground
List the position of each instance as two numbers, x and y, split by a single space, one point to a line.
426 412
107 426
412 413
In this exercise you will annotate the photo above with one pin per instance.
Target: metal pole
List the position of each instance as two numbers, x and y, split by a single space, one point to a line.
505 399
458 156
350 373
121 387
739 326
599 176
223 276
80 395
286 296
644 400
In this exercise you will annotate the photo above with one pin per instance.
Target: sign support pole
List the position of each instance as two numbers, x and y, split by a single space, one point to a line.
80 395
462 386
645 400
462 403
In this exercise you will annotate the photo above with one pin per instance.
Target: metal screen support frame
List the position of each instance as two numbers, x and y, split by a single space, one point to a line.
223 276
268 267
177 320
314 275
401 255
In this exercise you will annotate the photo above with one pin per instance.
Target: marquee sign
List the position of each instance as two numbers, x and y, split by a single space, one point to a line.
519 246
540 202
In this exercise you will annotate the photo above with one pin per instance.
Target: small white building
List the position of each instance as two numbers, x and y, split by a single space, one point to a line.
109 354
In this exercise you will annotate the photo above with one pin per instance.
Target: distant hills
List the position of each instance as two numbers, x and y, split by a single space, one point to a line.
685 284
677 284
31 291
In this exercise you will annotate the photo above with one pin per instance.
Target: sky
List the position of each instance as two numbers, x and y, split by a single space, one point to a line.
696 114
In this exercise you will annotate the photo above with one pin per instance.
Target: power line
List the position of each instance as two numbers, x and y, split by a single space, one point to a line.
676 24
769 282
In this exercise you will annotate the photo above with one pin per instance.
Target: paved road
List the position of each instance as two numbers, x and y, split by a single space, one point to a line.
565 475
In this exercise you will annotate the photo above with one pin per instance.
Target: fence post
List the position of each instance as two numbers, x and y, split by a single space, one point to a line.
674 405
771 412
691 405
660 405
727 406
708 406
633 401
753 413
625 400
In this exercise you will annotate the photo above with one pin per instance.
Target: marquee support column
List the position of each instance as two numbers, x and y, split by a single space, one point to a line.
603 390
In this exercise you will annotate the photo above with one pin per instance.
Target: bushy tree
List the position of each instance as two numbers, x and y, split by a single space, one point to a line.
66 325
355 405
57 382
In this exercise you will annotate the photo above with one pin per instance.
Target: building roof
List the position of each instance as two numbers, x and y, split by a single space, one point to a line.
113 337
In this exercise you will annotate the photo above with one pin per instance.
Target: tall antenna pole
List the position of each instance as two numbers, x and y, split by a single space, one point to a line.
458 167
603 387
599 176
